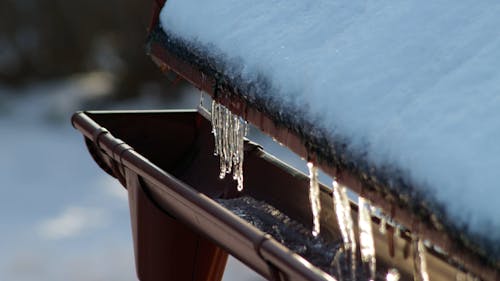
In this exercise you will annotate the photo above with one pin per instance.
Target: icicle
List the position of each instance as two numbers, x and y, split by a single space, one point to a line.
383 224
419 261
215 123
218 122
392 275
241 130
226 142
314 197
229 133
346 225
366 243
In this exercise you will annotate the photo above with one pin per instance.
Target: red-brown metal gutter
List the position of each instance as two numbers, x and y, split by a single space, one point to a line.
164 159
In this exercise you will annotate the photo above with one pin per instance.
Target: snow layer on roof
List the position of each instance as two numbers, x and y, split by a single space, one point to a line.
414 84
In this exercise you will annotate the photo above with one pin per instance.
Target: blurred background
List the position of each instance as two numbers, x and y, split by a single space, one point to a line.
61 217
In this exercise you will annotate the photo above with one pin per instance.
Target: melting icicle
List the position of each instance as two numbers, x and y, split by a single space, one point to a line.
229 133
383 225
419 261
392 275
314 197
346 225
241 131
366 243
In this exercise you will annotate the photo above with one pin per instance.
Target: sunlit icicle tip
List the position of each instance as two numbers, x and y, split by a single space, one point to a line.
419 260
392 275
314 198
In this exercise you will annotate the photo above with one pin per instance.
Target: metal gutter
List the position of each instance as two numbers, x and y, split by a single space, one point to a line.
168 184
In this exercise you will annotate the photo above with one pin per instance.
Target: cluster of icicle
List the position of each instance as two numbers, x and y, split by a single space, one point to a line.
366 240
229 132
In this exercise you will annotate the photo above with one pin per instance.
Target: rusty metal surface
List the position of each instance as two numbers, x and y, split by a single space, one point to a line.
426 225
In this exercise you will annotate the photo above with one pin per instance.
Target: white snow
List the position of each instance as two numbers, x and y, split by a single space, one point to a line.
415 84
59 219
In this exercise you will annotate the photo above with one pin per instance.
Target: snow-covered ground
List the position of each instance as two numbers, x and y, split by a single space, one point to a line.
414 84
62 218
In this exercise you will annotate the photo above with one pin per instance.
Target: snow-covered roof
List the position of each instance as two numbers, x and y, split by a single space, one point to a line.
406 91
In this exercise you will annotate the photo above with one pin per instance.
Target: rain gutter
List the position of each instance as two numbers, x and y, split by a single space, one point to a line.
146 152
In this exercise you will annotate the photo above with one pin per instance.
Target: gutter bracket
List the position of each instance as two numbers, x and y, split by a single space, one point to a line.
97 135
117 153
